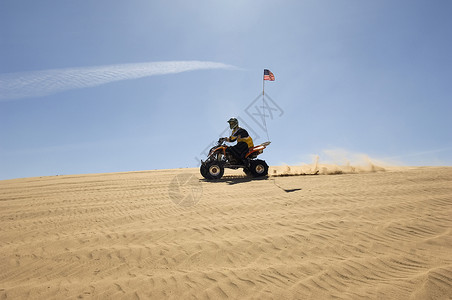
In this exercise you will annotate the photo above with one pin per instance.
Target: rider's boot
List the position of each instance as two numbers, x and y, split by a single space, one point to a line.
246 162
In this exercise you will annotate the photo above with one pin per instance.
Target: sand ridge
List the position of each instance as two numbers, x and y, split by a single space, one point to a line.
378 235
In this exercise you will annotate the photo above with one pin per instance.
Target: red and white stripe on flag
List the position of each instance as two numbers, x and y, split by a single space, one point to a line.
268 75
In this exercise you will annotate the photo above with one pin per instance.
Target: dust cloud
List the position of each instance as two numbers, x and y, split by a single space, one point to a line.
333 162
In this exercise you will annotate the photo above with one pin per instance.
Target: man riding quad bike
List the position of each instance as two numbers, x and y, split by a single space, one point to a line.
242 155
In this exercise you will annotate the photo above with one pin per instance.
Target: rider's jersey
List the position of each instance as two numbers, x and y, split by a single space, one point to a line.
241 135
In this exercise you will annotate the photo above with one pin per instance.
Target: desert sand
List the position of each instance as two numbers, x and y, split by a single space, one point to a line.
169 234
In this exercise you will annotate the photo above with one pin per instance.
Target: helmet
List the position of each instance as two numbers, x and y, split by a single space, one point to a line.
233 123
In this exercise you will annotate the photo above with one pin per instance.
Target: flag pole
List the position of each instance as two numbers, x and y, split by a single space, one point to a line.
263 105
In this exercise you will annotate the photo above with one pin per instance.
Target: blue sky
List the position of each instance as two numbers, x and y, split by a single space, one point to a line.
367 77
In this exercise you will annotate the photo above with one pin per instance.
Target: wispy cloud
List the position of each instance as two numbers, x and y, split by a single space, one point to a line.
41 83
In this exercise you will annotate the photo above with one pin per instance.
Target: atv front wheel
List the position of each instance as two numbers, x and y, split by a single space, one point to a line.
258 168
213 170
203 171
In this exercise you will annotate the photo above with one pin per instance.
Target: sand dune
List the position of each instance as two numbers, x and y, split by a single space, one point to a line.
168 234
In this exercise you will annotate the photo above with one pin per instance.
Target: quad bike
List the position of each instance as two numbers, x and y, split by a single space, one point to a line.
219 159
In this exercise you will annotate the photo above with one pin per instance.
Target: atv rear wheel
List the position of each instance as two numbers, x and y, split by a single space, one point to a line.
213 170
258 168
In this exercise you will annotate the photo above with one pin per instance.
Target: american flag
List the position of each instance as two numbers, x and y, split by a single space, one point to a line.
268 75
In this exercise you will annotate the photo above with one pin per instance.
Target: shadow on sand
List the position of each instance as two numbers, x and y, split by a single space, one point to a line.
231 180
